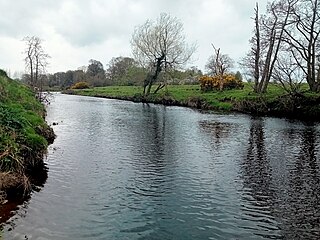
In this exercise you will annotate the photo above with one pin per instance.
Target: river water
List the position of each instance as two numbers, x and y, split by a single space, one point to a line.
123 170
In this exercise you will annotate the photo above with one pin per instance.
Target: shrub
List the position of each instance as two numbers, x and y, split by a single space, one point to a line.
220 82
80 85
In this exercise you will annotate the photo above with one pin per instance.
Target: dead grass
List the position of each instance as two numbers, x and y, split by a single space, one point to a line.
13 184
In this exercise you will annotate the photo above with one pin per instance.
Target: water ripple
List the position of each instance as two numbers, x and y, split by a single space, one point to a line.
120 170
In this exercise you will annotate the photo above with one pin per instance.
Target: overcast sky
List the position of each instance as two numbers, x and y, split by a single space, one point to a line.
75 31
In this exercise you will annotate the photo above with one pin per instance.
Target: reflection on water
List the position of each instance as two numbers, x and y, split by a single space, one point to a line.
286 200
303 198
259 193
219 131
121 170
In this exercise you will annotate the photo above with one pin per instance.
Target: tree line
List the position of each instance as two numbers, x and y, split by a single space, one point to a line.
285 48
119 71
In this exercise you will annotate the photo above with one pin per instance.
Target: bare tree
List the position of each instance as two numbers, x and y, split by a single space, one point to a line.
290 29
288 74
266 42
36 62
160 45
302 39
219 64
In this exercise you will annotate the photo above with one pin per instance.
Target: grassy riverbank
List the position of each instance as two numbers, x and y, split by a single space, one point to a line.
276 102
24 137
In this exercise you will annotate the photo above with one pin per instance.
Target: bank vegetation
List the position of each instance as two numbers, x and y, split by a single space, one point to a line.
24 138
275 102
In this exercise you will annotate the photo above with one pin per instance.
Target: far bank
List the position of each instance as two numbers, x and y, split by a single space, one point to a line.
276 102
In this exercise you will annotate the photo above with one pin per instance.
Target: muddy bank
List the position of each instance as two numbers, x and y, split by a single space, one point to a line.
16 188
296 106
19 184
11 185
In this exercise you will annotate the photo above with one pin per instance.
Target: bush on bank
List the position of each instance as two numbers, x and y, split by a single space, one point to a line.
220 83
80 85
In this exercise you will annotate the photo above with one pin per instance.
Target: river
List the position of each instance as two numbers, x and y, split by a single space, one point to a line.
123 170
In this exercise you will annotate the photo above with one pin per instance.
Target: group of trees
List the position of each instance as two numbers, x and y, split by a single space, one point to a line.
93 74
160 53
119 71
285 47
125 71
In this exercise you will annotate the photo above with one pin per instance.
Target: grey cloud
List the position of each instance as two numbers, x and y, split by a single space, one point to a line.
83 27
88 23
21 18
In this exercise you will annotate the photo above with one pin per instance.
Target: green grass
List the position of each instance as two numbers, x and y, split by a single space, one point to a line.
21 125
112 91
222 100
276 101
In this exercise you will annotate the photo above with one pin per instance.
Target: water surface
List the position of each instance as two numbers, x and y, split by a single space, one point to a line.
122 170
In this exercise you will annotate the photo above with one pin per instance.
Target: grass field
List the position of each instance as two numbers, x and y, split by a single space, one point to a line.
222 100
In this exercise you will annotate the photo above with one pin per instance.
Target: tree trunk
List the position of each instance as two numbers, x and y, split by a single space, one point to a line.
318 74
257 51
151 79
160 87
314 86
145 84
149 88
31 72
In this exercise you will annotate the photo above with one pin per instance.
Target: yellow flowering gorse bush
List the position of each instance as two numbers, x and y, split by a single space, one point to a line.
80 85
220 82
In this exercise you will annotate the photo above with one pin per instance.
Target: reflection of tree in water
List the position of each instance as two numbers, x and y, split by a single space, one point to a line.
152 127
292 205
302 206
152 146
257 180
218 131
150 186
